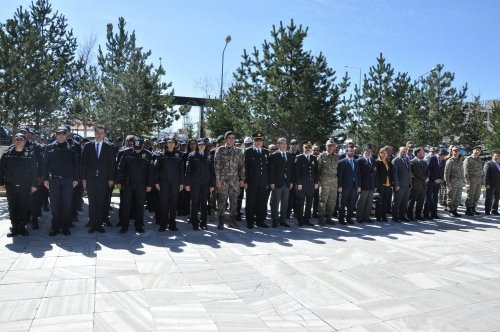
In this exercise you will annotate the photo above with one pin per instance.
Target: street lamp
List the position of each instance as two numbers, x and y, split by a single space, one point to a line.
228 39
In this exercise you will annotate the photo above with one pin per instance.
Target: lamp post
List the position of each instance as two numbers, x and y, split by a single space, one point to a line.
228 39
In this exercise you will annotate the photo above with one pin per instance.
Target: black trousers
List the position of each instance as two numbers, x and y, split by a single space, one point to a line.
383 203
305 195
292 202
37 199
431 198
491 200
199 202
98 193
76 199
256 203
347 203
417 198
61 194
132 198
169 193
18 199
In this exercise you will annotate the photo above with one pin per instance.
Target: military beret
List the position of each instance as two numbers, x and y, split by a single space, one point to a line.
330 142
258 135
229 133
247 140
478 147
220 138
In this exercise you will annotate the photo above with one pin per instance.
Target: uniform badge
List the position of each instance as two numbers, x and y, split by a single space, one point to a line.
177 154
143 155
26 153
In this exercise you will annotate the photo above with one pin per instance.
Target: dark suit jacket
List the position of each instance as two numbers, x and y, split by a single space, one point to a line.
383 173
280 172
436 168
348 179
306 172
368 173
491 174
402 173
102 168
419 173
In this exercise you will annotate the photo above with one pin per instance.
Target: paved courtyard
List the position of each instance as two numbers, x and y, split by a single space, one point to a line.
422 276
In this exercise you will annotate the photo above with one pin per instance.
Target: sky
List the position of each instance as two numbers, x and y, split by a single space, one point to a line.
189 35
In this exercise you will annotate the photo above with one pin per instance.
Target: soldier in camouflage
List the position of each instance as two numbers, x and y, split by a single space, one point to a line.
454 177
473 173
327 166
229 165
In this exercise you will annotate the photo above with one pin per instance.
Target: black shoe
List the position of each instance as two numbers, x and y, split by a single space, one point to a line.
91 230
46 208
436 216
427 217
469 212
405 219
487 213
342 222
455 214
100 229
477 213
360 221
196 228
23 231
274 225
66 232
315 215
123 230
35 224
203 225
396 219
385 219
238 217
139 229
263 225
420 218
53 232
349 221
162 229
12 233
330 222
172 228
284 224
495 212
250 226
107 223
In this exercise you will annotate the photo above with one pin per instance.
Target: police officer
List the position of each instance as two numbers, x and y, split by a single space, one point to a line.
256 182
169 167
60 175
306 181
229 166
473 174
454 177
135 178
327 168
78 190
18 174
200 181
129 142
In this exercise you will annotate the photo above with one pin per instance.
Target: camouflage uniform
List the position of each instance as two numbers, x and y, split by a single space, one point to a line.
454 176
473 173
229 165
327 167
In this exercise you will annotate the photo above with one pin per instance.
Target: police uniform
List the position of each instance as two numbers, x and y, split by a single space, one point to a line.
18 173
169 169
306 175
256 179
229 166
473 174
327 169
60 169
135 175
200 177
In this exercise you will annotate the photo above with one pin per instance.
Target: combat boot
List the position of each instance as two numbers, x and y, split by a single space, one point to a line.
475 212
469 212
233 223
221 222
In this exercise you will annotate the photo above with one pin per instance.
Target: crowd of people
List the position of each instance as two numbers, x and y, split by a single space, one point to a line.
207 181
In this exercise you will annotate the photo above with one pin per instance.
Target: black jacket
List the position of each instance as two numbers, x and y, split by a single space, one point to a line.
280 171
367 173
256 166
383 173
199 170
169 167
136 168
60 160
419 173
491 174
93 168
18 168
306 172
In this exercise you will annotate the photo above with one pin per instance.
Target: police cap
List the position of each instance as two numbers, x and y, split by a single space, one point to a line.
19 136
201 141
138 143
61 130
307 144
258 135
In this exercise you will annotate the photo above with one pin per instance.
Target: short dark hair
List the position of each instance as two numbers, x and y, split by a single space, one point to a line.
99 126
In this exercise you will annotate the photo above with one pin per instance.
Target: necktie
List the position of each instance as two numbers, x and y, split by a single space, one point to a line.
97 150
369 161
352 163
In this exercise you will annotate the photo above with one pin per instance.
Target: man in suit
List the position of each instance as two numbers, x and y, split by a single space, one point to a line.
97 173
349 186
306 181
256 182
492 181
280 182
435 163
402 185
419 177
368 176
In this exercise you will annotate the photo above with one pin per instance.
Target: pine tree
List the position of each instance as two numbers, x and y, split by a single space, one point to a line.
491 137
282 90
37 53
471 133
131 97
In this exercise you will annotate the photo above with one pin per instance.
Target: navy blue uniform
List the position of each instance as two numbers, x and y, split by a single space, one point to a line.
18 173
169 169
200 176
306 175
60 169
135 173
256 178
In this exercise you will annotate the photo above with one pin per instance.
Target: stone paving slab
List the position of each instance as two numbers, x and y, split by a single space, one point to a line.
441 275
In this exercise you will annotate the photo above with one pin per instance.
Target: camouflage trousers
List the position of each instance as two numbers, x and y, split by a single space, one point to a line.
229 190
473 193
327 198
454 195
